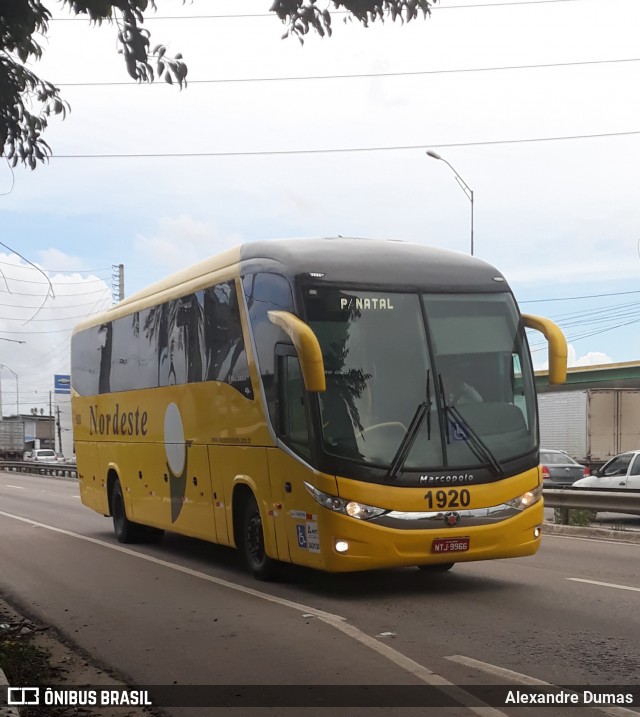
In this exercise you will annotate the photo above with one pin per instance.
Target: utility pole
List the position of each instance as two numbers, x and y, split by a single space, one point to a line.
117 282
18 341
59 429
52 433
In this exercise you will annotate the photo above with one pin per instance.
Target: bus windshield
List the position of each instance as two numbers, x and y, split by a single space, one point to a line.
451 369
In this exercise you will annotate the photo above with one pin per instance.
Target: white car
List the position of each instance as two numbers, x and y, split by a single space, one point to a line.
43 455
622 471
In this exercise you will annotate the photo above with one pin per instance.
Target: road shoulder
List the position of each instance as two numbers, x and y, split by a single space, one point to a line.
69 667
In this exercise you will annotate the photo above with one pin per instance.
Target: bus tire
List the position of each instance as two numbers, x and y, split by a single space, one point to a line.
126 530
259 563
436 567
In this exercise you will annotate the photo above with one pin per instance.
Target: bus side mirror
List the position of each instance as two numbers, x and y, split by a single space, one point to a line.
557 345
307 348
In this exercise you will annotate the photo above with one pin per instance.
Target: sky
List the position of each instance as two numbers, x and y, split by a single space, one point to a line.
534 104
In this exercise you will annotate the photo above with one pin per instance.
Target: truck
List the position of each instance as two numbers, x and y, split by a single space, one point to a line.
591 425
11 440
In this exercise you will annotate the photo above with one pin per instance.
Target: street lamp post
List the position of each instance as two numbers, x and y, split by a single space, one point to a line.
463 185
15 375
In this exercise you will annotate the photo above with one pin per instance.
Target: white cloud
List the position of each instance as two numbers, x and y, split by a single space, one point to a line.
61 262
591 358
181 241
36 325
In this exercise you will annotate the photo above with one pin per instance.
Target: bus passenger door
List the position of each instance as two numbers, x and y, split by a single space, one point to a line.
295 511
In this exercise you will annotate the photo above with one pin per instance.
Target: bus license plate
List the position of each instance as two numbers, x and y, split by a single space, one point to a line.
450 545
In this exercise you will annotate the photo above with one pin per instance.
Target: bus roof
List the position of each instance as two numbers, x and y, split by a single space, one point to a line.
335 259
370 261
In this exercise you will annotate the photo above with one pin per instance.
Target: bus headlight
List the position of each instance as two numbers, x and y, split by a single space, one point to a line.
361 511
526 499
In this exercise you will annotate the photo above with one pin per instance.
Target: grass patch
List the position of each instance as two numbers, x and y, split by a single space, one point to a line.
24 663
575 516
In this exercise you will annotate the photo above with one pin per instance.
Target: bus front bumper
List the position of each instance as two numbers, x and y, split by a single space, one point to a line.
347 544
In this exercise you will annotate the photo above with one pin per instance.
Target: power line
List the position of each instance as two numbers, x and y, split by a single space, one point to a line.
359 75
55 318
29 333
602 331
598 314
342 150
63 283
58 271
50 307
58 295
574 337
224 16
572 298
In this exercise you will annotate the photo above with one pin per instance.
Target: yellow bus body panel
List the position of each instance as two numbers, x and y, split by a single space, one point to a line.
125 435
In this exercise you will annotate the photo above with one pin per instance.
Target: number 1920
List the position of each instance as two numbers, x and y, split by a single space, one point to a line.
451 498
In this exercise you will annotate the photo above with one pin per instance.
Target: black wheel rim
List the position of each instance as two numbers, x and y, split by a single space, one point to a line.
255 541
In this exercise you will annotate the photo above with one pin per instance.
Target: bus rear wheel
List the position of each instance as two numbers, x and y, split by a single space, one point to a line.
126 530
436 567
256 558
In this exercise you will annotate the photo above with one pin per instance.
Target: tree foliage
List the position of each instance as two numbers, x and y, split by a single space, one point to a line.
27 101
303 15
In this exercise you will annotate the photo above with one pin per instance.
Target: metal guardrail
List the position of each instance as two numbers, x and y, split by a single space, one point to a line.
607 501
65 470
623 501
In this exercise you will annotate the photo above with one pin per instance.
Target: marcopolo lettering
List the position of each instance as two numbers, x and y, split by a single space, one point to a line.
117 423
447 479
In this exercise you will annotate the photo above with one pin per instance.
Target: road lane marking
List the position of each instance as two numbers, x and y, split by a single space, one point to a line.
605 585
337 622
618 539
504 674
17 487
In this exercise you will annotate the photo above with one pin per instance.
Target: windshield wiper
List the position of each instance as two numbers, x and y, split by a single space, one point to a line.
477 446
407 442
423 409
429 405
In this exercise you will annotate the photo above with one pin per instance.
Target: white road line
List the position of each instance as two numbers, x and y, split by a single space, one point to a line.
505 674
419 671
604 585
17 487
617 540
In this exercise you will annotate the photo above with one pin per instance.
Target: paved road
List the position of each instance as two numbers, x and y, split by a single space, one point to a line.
185 612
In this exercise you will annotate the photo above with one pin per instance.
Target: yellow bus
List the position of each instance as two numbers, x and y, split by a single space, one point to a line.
343 404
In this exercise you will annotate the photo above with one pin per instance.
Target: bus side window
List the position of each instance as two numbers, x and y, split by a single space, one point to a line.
292 415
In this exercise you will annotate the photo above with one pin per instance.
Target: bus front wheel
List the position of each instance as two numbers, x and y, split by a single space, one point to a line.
256 558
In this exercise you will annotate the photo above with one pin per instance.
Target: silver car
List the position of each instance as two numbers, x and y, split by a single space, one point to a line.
559 470
43 455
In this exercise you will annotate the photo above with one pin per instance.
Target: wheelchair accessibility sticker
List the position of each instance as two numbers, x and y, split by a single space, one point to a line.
308 538
457 432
